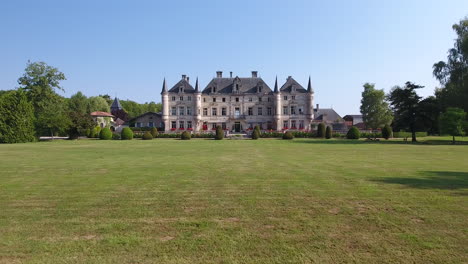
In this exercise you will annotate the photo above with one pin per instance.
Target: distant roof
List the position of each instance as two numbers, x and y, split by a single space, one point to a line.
327 114
246 85
119 122
291 85
116 104
353 116
99 113
182 84
142 115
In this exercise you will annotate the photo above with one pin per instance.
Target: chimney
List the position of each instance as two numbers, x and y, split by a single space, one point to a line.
254 74
219 74
184 76
230 74
317 107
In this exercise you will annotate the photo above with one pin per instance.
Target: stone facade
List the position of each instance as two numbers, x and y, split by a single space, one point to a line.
237 104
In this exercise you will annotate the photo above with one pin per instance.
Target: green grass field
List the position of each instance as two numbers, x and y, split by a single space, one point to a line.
233 201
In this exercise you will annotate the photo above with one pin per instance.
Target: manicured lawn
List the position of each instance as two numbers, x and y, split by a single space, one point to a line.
233 201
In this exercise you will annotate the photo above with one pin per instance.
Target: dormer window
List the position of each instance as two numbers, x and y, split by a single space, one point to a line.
237 87
181 89
293 88
213 89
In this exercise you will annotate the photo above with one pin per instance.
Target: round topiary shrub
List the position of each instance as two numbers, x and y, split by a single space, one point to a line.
147 136
387 132
256 134
105 134
88 132
353 133
115 136
321 130
154 132
288 135
219 133
186 135
126 134
328 132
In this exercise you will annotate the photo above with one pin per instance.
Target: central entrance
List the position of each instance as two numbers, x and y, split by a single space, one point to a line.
237 127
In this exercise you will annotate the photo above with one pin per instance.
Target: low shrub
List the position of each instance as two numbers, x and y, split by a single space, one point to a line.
387 131
185 135
147 136
219 133
127 133
353 133
328 132
116 136
288 135
105 134
154 132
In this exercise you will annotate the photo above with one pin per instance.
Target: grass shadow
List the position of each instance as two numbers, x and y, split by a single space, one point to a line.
381 141
445 180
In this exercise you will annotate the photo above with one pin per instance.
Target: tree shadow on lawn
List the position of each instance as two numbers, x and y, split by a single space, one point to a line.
444 180
382 141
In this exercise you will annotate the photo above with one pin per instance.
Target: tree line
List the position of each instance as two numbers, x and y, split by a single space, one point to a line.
37 109
442 113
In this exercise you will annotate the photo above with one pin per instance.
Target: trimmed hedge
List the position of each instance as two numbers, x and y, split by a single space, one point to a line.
147 136
328 132
127 134
353 133
255 134
387 131
288 135
321 130
105 134
219 133
185 135
116 136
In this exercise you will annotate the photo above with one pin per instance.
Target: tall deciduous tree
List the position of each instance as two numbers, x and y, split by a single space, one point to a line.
78 103
452 122
374 109
453 74
97 103
404 102
16 118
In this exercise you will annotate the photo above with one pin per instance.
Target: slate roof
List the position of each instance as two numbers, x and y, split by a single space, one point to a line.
142 115
182 83
326 115
116 105
246 85
289 84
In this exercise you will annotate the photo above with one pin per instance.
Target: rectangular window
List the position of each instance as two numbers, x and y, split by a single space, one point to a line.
250 99
214 111
213 126
301 124
223 111
293 110
223 126
224 99
285 97
189 124
301 112
189 111
204 99
285 110
259 99
150 124
237 99
269 111
181 111
237 112
250 111
181 98
293 97
173 125
189 98
137 124
269 99
259 111
173 111
285 124
205 111
214 99
173 98
181 124
293 124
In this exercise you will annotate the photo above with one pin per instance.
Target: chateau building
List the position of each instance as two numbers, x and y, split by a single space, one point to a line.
237 104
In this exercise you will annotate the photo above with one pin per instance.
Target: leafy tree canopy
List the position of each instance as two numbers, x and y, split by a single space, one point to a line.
374 109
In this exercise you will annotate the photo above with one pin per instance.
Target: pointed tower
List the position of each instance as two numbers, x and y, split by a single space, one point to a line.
277 106
116 105
165 106
310 103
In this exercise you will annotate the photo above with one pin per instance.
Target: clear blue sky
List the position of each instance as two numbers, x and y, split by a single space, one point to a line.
126 48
